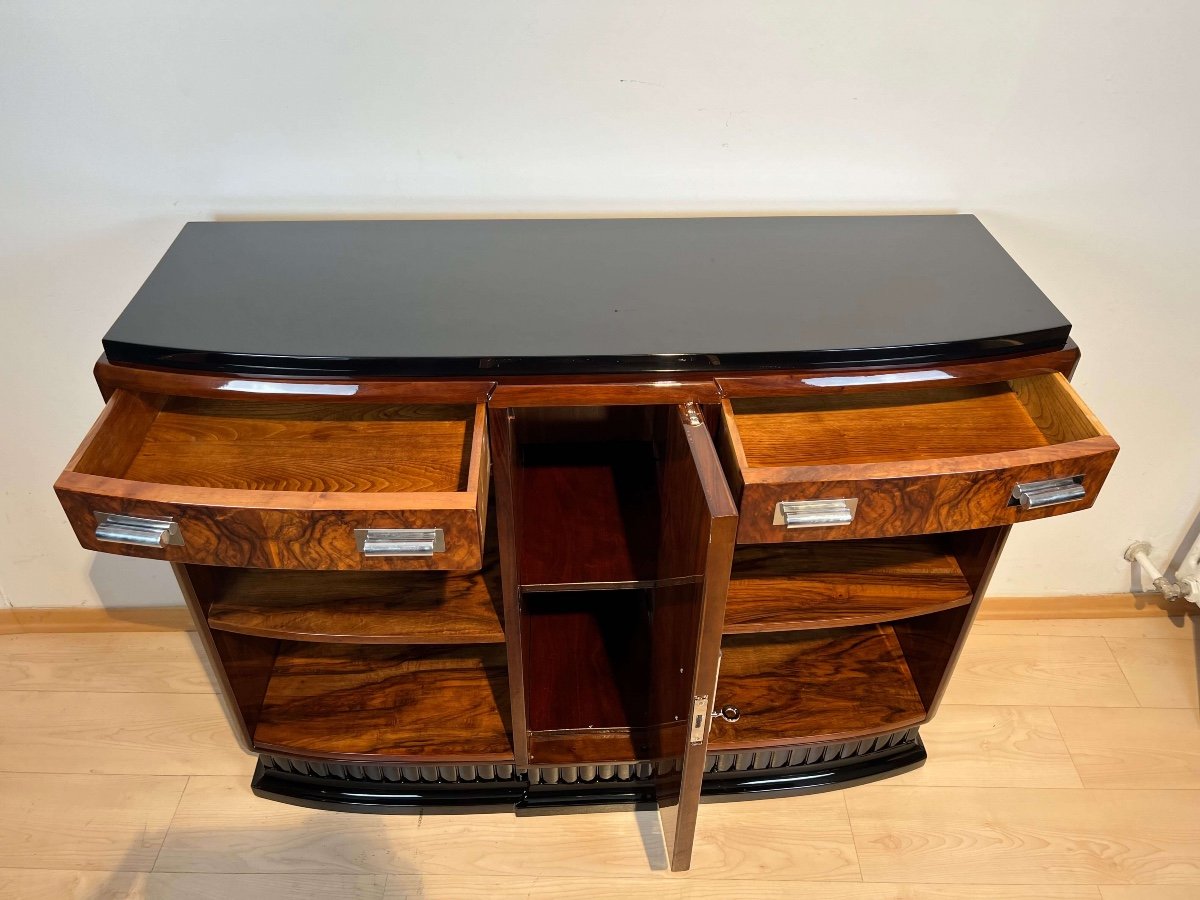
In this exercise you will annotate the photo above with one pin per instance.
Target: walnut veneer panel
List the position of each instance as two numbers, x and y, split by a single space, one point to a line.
815 585
342 701
364 607
917 461
275 484
796 687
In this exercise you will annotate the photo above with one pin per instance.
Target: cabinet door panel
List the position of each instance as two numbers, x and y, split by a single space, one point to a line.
699 525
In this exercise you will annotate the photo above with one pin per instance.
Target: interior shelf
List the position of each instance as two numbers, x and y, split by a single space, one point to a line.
363 607
587 658
342 701
807 686
592 515
780 587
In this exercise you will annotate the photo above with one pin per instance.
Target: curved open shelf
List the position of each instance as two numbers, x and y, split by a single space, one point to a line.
784 587
396 704
807 686
363 607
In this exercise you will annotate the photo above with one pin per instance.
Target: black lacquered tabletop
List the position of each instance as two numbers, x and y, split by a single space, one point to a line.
461 297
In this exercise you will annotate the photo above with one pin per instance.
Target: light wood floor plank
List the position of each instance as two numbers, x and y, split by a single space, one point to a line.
142 703
118 734
993 745
1180 628
1162 673
1026 836
795 838
111 822
220 826
620 842
50 885
1036 670
103 662
671 887
1147 892
1133 748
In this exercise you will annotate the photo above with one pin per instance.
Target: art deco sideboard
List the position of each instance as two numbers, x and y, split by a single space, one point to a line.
549 513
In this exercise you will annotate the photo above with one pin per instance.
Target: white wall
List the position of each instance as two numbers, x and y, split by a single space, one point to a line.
1069 128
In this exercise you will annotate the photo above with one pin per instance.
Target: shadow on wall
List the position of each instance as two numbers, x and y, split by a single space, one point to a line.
124 581
1177 560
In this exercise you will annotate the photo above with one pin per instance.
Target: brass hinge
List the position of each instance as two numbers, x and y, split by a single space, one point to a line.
692 412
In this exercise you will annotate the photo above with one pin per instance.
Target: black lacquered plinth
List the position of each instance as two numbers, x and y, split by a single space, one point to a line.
383 789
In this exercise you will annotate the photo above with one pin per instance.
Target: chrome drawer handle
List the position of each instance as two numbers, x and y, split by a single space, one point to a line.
400 541
137 530
815 513
1036 494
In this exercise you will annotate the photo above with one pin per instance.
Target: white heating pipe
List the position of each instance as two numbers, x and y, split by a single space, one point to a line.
1186 584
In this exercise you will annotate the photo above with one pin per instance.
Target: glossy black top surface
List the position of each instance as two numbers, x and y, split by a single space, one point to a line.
581 296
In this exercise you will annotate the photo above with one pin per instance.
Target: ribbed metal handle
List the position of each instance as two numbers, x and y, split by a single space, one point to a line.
400 541
137 530
1036 494
815 513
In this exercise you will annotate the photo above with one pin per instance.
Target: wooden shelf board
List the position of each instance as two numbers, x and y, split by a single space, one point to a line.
364 607
587 659
588 746
376 703
800 687
779 587
847 429
590 516
273 445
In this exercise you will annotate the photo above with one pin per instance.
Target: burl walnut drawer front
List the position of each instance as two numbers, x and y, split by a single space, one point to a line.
290 484
914 461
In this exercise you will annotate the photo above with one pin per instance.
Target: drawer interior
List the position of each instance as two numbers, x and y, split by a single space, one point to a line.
925 423
273 445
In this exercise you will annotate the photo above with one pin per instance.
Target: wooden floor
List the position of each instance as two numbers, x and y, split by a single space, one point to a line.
1065 763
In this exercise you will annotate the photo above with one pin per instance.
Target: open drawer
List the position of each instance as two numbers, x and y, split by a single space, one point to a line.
290 484
913 461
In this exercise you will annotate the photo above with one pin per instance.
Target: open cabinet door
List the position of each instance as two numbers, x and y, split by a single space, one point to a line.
699 525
